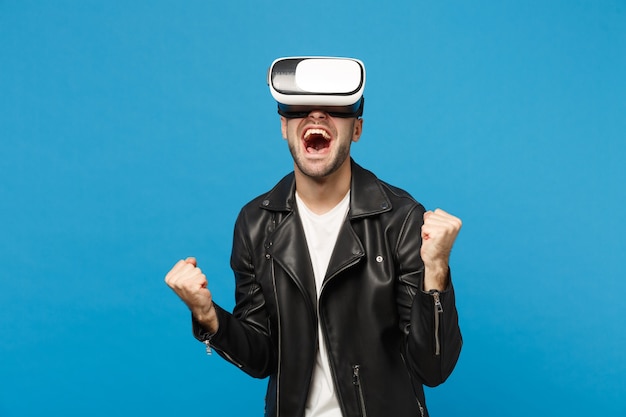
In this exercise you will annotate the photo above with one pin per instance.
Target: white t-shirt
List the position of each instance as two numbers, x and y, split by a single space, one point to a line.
321 235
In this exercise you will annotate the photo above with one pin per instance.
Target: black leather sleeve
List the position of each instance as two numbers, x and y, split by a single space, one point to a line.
432 334
243 336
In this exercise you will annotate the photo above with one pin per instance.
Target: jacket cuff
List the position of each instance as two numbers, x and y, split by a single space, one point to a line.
201 333
446 290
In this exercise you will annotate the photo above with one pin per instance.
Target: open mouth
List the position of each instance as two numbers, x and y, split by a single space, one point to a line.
316 140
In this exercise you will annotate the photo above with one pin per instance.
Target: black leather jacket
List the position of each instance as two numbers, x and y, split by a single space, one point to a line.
385 336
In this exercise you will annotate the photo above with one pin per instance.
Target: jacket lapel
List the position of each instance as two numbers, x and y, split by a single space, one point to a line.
287 245
348 251
366 199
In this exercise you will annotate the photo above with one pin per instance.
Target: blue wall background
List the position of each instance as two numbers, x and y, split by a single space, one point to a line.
132 132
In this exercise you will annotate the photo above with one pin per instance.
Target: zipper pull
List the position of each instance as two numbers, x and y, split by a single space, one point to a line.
355 374
438 306
438 311
207 343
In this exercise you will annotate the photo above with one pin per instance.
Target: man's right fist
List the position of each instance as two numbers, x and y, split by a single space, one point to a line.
191 286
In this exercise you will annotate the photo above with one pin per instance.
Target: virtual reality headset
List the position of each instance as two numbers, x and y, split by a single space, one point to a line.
303 84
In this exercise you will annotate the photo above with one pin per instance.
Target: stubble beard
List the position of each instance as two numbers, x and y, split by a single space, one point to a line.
321 169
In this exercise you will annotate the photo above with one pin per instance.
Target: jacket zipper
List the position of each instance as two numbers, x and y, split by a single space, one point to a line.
230 358
356 381
419 403
438 311
421 407
278 372
331 363
209 350
207 343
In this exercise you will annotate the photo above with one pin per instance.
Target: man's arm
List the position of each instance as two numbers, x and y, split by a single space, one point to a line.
242 337
427 302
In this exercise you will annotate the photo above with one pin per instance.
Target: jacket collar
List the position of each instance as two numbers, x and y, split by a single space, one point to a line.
367 196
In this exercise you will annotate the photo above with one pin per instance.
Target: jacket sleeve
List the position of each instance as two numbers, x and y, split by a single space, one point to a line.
243 336
429 320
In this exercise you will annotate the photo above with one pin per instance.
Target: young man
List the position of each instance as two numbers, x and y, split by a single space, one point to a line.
343 291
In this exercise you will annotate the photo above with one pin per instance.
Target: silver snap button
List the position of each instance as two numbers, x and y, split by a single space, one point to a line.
379 259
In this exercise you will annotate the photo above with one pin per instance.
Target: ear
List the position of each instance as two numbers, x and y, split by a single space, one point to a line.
357 130
283 126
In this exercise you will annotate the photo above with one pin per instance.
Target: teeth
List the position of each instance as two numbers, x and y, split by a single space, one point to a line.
322 132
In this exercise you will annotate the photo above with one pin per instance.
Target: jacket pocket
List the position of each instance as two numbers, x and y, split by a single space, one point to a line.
358 387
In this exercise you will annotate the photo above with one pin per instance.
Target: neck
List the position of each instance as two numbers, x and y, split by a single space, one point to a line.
322 194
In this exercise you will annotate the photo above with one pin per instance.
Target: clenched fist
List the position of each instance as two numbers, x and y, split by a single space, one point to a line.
439 232
191 285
